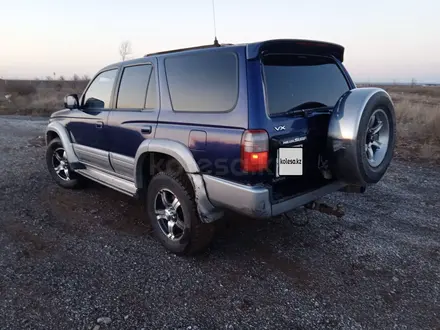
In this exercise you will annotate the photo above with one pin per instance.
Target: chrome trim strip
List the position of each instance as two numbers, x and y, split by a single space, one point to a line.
110 172
109 180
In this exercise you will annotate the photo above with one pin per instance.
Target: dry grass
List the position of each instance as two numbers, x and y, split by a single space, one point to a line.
417 113
38 99
39 104
418 122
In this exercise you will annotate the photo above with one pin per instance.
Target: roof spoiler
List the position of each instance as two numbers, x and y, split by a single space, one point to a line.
295 46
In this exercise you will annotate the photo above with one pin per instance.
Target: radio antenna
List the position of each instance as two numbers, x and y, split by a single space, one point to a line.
216 43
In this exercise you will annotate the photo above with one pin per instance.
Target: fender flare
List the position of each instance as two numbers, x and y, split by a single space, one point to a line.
180 152
175 149
61 131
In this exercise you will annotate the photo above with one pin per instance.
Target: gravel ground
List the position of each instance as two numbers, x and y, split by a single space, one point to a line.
86 259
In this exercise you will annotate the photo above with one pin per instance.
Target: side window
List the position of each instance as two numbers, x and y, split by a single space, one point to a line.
206 82
99 93
133 87
151 101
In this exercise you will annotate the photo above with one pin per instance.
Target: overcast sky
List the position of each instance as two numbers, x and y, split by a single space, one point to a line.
385 40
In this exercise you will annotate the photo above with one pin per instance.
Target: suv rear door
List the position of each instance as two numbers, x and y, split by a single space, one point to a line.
300 88
134 117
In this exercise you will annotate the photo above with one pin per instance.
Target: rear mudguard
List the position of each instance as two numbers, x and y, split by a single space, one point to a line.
207 212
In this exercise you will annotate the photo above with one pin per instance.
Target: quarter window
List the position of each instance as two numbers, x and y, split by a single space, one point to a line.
99 93
206 82
133 87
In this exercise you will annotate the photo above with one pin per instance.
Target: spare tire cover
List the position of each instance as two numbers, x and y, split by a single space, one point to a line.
361 136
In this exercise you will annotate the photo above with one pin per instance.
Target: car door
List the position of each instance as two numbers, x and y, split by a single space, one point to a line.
88 125
134 117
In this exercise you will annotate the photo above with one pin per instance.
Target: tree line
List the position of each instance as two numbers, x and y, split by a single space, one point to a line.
124 52
75 77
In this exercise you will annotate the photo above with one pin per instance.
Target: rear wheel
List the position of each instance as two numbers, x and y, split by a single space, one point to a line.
172 211
58 166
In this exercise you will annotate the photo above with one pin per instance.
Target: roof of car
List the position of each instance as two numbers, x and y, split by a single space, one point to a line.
166 53
252 49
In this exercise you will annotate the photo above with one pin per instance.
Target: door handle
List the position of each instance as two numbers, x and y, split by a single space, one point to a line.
146 130
99 124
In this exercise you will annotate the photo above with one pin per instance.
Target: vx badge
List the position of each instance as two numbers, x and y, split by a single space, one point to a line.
280 128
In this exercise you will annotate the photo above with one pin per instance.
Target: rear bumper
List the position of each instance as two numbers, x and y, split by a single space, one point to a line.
255 201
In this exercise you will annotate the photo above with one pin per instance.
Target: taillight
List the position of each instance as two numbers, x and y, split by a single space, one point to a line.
254 150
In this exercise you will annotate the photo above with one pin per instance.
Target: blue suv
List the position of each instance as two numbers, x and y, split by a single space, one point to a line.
259 128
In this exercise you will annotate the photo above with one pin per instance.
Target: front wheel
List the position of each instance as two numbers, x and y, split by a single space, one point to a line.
172 211
58 166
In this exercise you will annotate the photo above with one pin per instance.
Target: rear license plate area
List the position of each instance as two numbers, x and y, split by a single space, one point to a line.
289 161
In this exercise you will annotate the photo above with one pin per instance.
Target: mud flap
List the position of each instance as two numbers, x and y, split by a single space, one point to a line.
207 212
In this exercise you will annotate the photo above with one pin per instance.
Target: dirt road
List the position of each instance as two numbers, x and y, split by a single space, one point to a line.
68 258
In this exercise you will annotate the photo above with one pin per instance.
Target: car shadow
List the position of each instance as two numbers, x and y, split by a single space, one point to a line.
235 234
126 213
256 246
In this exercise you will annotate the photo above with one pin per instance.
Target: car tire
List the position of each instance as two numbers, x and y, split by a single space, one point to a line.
373 172
59 168
382 109
361 136
172 210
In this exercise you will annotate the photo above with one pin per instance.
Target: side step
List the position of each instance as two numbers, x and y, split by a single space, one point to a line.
109 180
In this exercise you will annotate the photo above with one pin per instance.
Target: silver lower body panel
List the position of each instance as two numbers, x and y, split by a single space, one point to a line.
109 180
255 201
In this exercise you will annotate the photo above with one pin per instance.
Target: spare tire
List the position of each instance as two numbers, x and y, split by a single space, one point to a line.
361 136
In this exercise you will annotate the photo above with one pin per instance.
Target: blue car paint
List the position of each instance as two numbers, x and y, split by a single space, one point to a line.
217 146
84 127
221 155
221 152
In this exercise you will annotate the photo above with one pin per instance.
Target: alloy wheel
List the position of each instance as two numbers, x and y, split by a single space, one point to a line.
378 137
60 164
169 214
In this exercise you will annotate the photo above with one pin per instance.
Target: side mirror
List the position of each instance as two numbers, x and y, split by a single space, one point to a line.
71 101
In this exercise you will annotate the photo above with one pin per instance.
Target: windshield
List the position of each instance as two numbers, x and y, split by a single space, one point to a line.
294 80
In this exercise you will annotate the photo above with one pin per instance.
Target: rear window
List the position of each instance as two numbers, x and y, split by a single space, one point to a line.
301 82
206 82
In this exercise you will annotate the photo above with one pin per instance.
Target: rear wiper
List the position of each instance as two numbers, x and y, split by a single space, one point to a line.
303 109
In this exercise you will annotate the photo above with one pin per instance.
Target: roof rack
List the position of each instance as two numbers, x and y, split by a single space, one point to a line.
216 44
